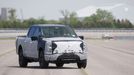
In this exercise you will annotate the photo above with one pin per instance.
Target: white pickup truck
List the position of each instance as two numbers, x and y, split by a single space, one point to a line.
51 43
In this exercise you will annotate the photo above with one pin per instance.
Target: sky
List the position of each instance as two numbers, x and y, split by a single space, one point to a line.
50 9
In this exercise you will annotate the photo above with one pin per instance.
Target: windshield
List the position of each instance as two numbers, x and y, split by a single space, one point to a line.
58 31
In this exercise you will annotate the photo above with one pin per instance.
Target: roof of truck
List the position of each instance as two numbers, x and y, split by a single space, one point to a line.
42 25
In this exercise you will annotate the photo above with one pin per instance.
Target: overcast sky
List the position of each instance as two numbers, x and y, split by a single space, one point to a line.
50 9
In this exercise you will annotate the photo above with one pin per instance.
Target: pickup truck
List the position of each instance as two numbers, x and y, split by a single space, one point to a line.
51 43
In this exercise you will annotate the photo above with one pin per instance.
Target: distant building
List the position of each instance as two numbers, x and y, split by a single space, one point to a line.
4 14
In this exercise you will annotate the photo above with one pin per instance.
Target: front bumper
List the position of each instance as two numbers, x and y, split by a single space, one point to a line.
65 57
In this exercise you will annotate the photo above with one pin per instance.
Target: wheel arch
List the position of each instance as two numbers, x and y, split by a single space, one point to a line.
19 49
40 49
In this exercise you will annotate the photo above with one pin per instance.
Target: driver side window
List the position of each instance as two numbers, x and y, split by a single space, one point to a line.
31 32
36 32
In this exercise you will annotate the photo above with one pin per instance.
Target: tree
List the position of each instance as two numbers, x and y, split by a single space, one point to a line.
126 23
73 19
69 18
103 15
101 18
12 14
90 21
65 15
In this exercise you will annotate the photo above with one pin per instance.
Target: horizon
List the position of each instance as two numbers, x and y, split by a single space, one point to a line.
25 9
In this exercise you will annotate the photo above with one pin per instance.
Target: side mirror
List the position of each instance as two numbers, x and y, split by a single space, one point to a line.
34 38
81 37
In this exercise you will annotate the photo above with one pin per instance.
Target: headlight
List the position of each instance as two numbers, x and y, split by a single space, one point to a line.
82 46
53 46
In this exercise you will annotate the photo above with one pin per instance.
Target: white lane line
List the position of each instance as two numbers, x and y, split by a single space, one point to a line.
84 71
6 52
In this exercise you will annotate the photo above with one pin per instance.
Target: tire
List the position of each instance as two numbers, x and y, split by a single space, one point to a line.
42 62
82 64
22 60
59 65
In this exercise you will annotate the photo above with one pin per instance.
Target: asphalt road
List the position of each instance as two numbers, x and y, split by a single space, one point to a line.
105 57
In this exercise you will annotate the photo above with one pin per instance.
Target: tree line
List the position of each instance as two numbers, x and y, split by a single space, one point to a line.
101 19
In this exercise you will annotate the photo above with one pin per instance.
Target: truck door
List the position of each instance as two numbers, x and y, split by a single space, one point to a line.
28 42
34 44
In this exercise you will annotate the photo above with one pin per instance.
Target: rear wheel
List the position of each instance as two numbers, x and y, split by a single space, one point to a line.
42 62
22 60
82 64
59 64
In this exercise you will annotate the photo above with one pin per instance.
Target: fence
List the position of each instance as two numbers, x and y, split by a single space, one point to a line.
14 30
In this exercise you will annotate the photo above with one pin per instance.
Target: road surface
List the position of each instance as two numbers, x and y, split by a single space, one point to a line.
105 57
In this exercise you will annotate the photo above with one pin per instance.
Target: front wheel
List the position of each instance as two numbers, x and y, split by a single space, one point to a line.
59 65
22 60
42 62
82 64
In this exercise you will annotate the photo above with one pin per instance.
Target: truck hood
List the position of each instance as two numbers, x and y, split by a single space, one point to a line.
65 45
62 39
